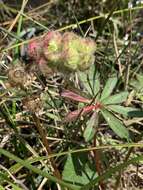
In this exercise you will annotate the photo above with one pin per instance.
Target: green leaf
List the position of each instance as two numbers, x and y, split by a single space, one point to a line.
90 80
94 80
116 99
1 188
90 129
115 124
15 187
96 85
52 116
4 178
78 170
138 82
110 85
85 82
126 111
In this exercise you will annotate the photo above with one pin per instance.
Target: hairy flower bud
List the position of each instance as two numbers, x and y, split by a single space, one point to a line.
52 48
34 49
64 53
86 52
77 52
70 54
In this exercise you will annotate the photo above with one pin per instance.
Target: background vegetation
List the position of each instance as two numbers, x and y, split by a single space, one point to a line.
72 131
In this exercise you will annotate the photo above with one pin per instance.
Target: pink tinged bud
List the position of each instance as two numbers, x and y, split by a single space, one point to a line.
52 48
50 36
65 53
90 45
35 50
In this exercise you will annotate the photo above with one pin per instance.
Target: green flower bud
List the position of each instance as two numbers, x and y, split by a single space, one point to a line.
86 52
77 52
70 54
71 59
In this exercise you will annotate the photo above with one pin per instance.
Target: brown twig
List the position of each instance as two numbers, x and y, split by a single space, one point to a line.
129 60
97 155
46 144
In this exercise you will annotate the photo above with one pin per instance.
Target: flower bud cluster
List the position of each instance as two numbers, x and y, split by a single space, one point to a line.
66 52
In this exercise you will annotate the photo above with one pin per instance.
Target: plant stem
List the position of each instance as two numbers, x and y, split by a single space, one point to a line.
46 144
97 154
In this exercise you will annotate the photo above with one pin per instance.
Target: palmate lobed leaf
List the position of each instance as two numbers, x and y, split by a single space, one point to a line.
89 131
90 80
85 82
109 86
94 80
116 125
126 111
78 170
115 99
72 116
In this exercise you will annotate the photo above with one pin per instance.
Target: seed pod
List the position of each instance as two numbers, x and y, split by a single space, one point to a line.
16 76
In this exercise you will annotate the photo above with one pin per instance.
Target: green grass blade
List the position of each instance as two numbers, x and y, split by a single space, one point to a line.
36 170
72 26
4 177
94 80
